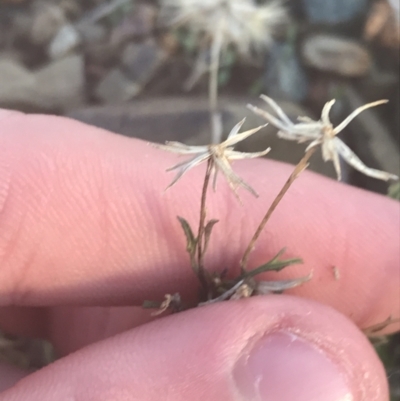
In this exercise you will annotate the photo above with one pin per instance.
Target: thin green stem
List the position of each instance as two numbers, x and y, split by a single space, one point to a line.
301 166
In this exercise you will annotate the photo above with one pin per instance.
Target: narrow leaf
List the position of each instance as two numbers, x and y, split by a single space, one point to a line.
191 241
268 287
207 232
278 255
191 244
274 264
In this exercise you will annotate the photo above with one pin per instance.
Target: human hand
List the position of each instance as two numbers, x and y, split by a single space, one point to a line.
86 231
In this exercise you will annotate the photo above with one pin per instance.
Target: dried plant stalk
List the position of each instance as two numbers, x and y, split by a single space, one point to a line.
200 236
215 117
301 166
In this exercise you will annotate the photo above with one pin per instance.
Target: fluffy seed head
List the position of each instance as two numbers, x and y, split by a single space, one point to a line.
242 23
322 133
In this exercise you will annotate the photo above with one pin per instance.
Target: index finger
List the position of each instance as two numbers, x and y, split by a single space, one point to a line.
84 219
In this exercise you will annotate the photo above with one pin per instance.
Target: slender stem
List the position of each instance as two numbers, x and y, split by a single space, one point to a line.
203 212
215 118
301 166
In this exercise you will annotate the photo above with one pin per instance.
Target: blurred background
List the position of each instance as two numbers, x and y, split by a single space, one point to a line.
120 65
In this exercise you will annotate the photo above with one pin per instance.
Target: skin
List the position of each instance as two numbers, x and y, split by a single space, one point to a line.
86 232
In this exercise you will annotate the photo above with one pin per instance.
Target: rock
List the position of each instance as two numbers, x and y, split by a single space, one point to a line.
394 193
19 26
382 25
48 18
334 11
396 8
116 87
284 77
60 85
92 33
334 54
187 120
381 84
56 87
71 8
12 54
137 23
157 120
66 39
140 61
103 53
17 85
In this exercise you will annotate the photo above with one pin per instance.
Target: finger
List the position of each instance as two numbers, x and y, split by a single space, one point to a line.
84 219
9 375
24 321
70 328
265 348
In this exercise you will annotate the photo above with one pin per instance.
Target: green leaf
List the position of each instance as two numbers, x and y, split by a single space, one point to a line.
278 255
273 265
276 266
191 243
207 232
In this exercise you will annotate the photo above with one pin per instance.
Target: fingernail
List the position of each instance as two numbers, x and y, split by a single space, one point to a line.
285 367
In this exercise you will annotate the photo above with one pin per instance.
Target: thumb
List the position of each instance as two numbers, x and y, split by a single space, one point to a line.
263 348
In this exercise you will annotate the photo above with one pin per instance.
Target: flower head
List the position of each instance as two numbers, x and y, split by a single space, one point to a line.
242 23
322 133
221 156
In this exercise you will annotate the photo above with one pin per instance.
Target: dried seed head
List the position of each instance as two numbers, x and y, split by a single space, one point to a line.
221 155
242 23
322 133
